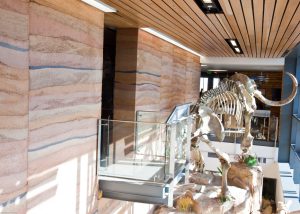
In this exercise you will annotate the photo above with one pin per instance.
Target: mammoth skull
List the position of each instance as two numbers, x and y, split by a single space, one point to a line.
249 92
252 91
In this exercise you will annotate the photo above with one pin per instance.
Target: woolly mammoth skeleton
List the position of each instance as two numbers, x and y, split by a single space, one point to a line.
235 97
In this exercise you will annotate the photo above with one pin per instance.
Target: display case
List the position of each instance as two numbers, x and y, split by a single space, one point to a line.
264 129
142 160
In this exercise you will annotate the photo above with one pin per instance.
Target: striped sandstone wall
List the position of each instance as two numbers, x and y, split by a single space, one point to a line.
51 64
151 75
154 76
14 83
125 74
125 91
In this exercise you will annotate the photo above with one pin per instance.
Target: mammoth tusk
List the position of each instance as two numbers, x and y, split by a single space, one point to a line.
287 100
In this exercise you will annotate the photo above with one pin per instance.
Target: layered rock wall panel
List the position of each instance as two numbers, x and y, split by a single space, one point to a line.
64 104
166 90
166 75
152 75
14 82
148 73
125 74
50 99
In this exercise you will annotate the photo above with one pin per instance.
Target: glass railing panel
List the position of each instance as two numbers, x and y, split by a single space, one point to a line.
132 153
146 150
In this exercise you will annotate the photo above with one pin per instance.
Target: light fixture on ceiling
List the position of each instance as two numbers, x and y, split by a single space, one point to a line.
203 65
235 46
170 40
209 6
232 41
100 5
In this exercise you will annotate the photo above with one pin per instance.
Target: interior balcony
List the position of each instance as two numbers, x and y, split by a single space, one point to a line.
96 99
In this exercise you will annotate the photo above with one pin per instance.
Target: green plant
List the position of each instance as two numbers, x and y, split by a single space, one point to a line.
224 199
250 160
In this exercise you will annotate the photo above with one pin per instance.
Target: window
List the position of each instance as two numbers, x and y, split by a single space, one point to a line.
216 82
203 83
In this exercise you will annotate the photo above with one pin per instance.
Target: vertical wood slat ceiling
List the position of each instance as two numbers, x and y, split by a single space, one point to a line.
264 28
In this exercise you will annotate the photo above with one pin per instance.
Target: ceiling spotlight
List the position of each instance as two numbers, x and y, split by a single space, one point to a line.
233 42
209 6
235 46
237 50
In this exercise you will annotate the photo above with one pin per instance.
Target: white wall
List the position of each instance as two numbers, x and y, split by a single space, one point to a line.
270 153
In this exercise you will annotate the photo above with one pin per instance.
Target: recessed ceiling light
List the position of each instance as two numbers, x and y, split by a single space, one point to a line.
233 42
100 5
209 6
237 50
235 46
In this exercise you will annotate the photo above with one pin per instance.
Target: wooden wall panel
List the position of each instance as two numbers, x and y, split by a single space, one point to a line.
13 104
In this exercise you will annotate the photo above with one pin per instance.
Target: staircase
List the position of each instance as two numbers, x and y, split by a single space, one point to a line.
290 189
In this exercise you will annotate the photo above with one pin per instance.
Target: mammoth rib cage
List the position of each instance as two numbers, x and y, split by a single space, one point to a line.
224 86
226 103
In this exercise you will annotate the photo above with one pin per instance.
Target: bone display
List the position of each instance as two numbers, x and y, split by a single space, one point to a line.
239 188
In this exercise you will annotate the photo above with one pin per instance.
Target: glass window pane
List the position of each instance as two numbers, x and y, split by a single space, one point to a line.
203 83
216 82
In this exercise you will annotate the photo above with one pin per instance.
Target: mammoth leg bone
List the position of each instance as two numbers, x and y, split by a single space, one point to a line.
248 138
225 163
225 167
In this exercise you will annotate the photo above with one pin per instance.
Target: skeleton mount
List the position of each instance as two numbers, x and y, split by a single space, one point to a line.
233 99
